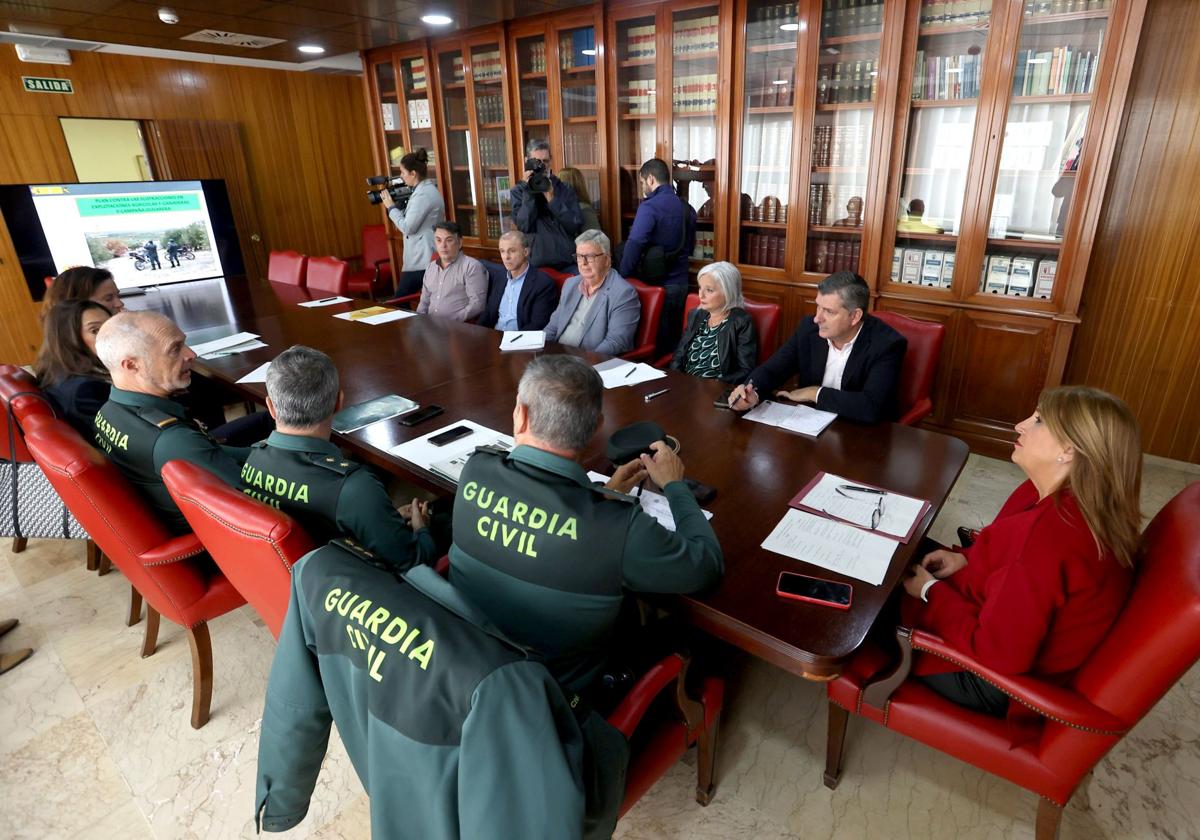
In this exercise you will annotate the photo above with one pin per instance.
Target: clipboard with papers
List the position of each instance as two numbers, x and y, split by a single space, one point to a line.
862 505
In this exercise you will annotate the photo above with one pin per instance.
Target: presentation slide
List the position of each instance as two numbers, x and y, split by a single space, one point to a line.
146 233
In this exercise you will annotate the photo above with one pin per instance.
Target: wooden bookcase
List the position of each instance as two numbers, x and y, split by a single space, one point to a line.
804 132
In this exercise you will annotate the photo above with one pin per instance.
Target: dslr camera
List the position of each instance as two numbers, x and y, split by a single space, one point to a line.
539 178
395 186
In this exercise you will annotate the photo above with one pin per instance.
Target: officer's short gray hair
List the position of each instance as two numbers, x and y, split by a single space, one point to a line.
563 395
728 280
597 236
517 235
536 144
126 335
303 386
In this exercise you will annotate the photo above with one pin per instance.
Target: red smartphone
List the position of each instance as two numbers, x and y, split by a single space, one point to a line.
829 593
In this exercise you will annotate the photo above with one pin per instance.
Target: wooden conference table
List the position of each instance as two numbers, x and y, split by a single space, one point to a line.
756 469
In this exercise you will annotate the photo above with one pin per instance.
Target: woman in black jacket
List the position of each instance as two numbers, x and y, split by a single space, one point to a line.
720 341
67 368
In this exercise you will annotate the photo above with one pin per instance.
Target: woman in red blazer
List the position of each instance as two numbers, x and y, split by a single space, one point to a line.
1042 584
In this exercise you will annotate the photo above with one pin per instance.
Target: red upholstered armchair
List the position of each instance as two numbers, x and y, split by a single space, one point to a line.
651 298
13 381
1154 641
165 569
254 544
287 267
920 364
557 276
374 276
328 274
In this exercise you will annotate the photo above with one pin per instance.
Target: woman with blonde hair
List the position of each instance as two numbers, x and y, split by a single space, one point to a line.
573 178
1041 586
720 341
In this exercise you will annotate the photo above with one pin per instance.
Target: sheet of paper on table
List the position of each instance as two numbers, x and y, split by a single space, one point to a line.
259 374
617 373
831 545
523 340
375 315
206 347
795 418
448 460
900 513
655 504
329 301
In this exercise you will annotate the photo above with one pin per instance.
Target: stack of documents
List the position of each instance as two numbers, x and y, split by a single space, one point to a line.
228 346
375 315
617 373
448 460
831 545
329 301
855 503
523 340
795 418
655 504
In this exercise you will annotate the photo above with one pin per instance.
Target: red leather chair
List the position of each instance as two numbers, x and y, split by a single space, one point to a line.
160 567
766 324
328 274
920 364
14 381
374 276
651 298
557 276
287 267
254 544
1154 641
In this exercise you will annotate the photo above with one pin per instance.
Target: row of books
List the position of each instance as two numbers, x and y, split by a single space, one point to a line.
1062 7
582 147
418 114
490 108
850 17
486 66
640 94
765 23
694 35
841 145
493 150
768 144
770 210
417 79
456 110
847 81
579 101
535 103
954 12
946 76
640 42
827 202
923 267
767 249
706 245
692 94
771 87
1058 71
826 256
537 57
493 227
490 195
457 74
1018 276
577 48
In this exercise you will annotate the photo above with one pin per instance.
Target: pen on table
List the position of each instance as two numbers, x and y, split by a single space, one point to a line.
629 372
326 300
649 397
515 338
855 487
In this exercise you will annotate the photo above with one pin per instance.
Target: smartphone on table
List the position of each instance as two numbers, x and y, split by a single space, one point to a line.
421 415
442 438
828 593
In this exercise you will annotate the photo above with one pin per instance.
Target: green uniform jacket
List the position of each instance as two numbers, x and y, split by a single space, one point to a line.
453 731
311 480
140 433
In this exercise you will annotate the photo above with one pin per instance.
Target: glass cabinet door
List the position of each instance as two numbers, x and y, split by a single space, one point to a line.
767 132
460 160
941 127
637 108
694 86
535 95
415 78
487 77
847 85
580 110
389 112
1058 57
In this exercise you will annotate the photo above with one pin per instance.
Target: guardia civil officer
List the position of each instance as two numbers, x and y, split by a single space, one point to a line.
547 554
298 470
454 730
141 427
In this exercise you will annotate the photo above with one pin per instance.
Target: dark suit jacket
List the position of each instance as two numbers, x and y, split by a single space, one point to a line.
539 297
869 383
737 346
77 399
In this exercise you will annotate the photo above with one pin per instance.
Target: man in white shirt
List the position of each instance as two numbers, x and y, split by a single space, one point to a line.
845 360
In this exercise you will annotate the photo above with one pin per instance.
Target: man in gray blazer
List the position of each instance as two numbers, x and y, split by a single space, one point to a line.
598 309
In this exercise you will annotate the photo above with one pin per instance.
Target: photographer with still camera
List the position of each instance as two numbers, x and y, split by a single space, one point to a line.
547 211
414 206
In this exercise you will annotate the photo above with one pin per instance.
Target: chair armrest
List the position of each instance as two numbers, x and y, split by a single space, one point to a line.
639 354
353 258
385 260
920 409
633 708
1055 702
415 297
663 362
172 551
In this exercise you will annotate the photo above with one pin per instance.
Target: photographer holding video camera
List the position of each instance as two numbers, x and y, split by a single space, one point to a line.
414 206
547 211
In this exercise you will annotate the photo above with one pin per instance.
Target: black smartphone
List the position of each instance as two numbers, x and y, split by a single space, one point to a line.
442 438
723 400
421 415
829 593
703 493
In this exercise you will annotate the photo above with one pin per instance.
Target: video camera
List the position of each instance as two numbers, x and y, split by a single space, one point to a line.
395 186
539 178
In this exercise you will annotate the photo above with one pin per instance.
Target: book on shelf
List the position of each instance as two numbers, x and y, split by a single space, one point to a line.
457 74
850 17
641 95
1061 70
931 268
694 35
390 113
954 12
1021 276
692 94
705 245
897 262
577 49
946 76
486 66
1044 286
417 77
998 267
537 57
640 42
849 81
948 270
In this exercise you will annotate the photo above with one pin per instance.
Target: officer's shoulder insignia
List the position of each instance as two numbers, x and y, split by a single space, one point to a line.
157 416
341 466
349 545
493 449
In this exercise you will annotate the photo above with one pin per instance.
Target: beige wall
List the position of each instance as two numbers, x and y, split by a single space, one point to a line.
106 150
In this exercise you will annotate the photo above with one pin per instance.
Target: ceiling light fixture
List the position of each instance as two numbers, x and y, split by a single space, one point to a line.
311 48
435 19
789 27
168 15
779 81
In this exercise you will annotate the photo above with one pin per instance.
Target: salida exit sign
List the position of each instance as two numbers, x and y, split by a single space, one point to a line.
37 84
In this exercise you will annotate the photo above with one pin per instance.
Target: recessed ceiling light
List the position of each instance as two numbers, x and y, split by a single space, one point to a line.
437 19
311 48
588 52
789 27
779 81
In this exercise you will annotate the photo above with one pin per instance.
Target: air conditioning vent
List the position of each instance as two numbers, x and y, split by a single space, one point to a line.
232 39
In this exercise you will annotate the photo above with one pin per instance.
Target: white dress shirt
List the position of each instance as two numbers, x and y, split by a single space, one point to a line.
835 363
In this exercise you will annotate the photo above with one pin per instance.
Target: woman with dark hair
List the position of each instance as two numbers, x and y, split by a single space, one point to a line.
415 219
84 283
67 368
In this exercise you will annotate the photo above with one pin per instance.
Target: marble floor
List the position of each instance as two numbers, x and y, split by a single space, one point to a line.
95 741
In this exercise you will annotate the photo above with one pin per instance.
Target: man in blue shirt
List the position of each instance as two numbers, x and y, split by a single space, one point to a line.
665 220
520 297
